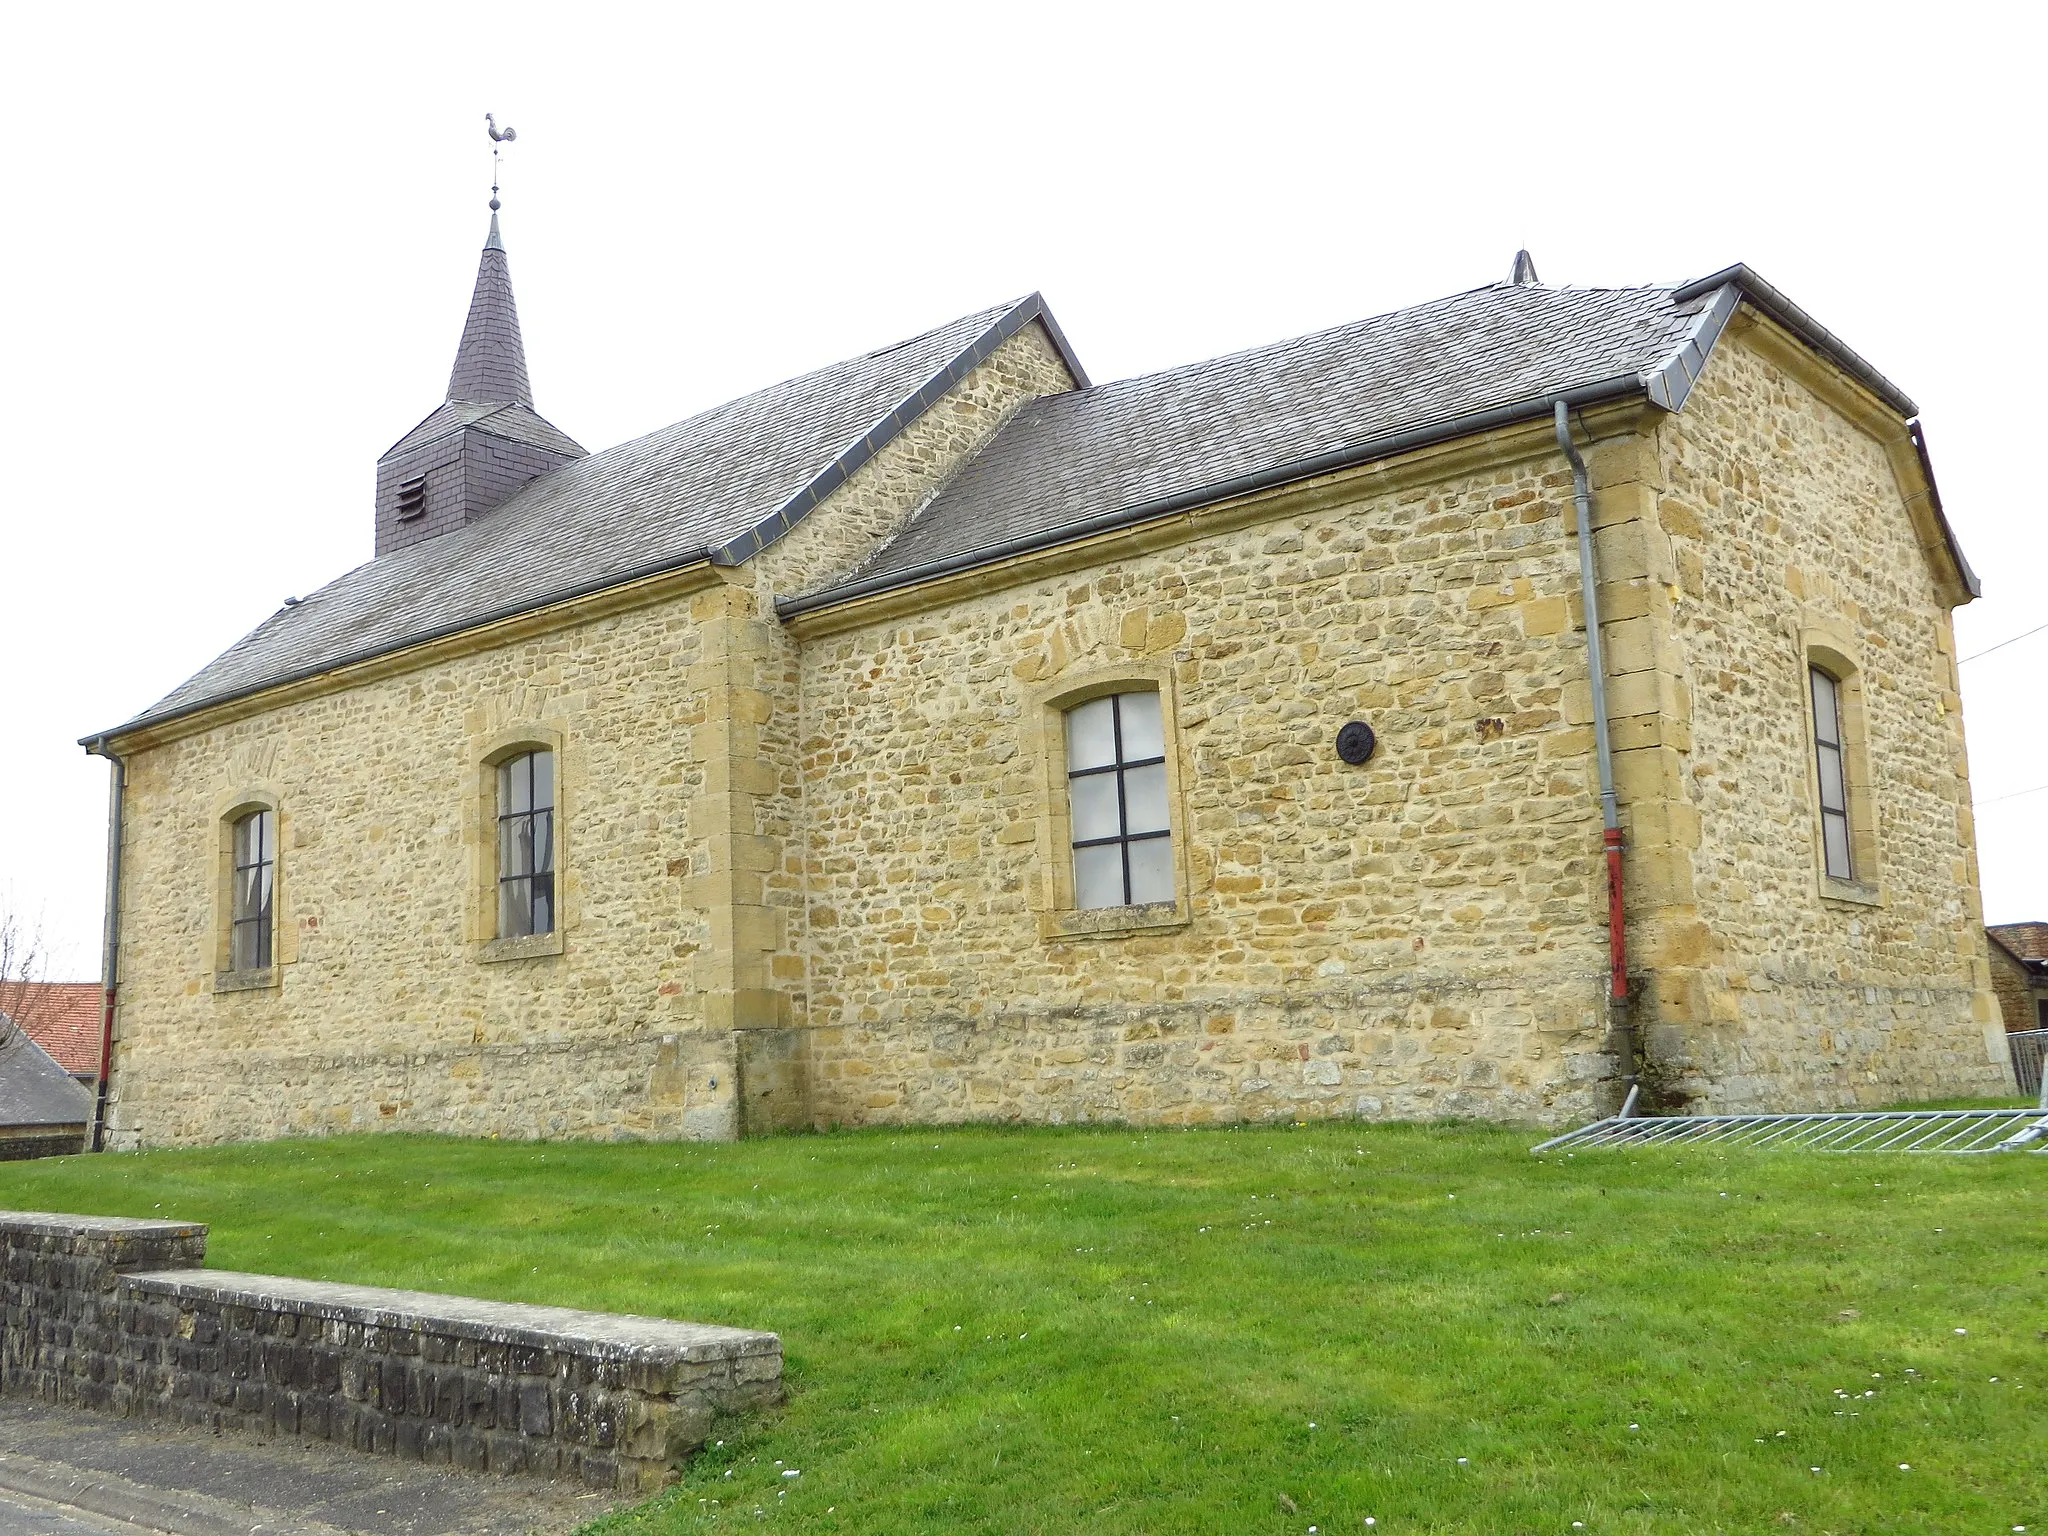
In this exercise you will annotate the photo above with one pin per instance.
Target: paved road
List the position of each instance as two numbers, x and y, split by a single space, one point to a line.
64 1473
24 1517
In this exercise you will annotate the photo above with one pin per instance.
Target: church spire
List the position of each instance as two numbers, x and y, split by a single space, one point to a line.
490 362
485 441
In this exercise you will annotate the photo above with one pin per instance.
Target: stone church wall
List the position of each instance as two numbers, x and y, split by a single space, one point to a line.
1417 936
665 1004
386 1009
1788 540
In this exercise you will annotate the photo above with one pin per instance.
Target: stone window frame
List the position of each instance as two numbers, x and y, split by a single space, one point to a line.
1059 919
227 810
500 747
1829 651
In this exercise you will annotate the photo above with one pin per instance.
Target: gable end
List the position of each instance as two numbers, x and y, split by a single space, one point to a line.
841 469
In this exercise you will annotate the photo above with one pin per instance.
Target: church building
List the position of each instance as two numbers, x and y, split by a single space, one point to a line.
1473 711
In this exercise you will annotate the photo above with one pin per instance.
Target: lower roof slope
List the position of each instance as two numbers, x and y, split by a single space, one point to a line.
723 482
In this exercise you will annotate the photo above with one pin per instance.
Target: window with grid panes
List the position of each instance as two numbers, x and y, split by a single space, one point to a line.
254 876
526 845
1116 802
1834 780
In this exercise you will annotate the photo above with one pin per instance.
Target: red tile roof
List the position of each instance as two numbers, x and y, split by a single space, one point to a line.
64 1017
2028 941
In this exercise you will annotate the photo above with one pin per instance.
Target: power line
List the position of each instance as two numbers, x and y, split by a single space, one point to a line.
2016 794
2015 640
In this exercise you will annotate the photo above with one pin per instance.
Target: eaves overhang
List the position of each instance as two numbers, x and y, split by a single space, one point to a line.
1769 301
98 742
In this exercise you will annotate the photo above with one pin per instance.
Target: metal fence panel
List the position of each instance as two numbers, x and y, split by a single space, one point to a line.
1901 1130
2028 1046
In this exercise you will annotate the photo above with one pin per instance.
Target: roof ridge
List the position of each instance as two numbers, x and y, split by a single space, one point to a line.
1487 289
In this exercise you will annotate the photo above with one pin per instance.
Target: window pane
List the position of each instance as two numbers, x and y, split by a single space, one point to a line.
1144 735
508 848
515 787
543 841
266 835
1152 869
243 957
1835 831
512 909
245 842
1091 735
1099 876
249 892
543 781
1827 723
1145 799
1831 794
543 916
1094 806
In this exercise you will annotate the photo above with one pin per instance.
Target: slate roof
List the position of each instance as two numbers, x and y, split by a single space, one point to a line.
490 361
34 1089
720 485
512 421
1070 461
63 1017
724 483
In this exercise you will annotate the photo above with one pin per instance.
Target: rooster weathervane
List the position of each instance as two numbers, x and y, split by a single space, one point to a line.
499 137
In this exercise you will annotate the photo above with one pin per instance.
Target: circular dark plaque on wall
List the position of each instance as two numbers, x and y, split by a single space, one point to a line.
1355 742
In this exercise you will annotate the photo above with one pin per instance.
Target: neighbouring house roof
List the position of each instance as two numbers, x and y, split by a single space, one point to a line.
721 485
65 1018
34 1089
2023 941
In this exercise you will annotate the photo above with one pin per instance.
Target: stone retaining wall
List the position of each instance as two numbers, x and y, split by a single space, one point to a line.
115 1315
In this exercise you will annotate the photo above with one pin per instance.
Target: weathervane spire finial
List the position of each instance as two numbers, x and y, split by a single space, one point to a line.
499 138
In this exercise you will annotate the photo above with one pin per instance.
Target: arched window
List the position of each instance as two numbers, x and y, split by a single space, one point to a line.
1829 736
253 877
1117 802
526 845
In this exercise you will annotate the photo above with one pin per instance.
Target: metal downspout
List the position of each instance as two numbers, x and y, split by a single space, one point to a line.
1610 814
110 961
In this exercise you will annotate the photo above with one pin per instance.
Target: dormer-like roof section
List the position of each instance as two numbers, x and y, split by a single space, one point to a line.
716 487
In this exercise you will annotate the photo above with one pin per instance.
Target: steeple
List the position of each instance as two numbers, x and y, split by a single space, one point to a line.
490 362
485 441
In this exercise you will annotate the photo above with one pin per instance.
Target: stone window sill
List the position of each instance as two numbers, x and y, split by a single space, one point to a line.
1113 922
528 948
245 981
1859 892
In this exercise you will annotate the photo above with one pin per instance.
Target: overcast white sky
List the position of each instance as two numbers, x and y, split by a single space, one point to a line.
238 244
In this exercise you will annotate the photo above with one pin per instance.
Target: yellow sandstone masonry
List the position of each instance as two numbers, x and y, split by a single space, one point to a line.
674 714
817 872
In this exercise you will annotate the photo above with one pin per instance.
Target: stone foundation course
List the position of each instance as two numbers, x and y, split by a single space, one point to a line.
116 1315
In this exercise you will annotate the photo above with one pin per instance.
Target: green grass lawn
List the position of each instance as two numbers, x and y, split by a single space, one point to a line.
1264 1330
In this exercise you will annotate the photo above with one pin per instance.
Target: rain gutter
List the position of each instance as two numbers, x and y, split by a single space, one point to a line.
1603 750
110 956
